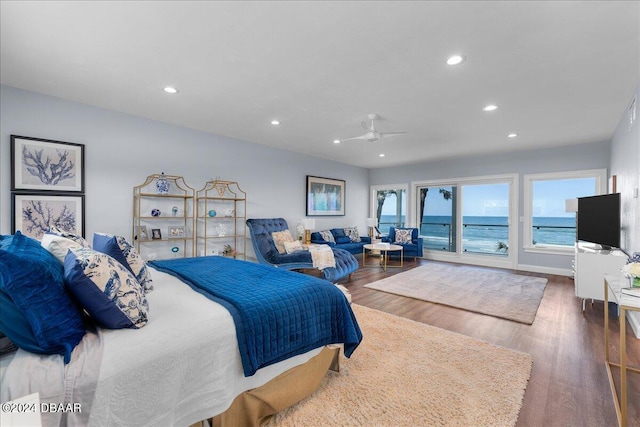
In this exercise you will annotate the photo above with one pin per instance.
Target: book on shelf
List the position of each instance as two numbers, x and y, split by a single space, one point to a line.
634 292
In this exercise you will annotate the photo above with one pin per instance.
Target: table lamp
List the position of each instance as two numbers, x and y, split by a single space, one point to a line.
309 224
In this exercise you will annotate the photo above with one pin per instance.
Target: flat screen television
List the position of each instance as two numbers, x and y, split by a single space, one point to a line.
599 220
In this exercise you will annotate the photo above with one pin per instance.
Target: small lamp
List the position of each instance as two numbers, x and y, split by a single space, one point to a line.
371 223
309 224
571 205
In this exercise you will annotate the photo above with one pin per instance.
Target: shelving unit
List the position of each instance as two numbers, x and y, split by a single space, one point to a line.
221 214
170 230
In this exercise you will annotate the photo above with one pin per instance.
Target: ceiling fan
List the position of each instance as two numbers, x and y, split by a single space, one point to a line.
372 135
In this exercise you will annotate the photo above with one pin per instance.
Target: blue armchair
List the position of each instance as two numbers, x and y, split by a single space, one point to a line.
410 250
266 252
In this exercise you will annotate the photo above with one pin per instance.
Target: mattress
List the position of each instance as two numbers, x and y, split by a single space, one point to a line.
182 367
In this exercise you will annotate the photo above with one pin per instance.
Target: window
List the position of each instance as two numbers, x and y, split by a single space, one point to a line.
547 226
389 205
468 219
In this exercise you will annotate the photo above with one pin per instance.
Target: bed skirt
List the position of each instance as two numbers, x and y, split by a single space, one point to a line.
255 407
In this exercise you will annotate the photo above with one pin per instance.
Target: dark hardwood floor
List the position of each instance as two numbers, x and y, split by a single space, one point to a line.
568 384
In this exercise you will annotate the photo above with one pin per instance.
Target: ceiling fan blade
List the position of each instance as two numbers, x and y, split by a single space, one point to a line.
385 134
355 137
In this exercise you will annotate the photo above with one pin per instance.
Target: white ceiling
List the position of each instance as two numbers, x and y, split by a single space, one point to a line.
561 72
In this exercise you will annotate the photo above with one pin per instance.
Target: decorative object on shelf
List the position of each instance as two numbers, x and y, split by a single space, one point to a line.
175 250
631 270
228 212
155 212
212 213
228 251
174 211
325 196
141 233
162 184
156 234
222 229
176 232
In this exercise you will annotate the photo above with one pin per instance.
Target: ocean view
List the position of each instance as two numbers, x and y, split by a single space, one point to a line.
482 234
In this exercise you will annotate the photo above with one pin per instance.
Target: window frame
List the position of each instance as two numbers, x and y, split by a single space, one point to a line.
374 199
600 176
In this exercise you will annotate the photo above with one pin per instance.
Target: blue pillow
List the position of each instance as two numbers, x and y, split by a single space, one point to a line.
37 313
338 232
106 289
343 239
119 248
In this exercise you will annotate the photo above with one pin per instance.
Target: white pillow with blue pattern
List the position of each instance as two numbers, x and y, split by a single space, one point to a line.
69 235
119 248
403 235
106 289
352 233
327 236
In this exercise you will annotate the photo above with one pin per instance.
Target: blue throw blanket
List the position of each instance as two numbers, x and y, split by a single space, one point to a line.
278 314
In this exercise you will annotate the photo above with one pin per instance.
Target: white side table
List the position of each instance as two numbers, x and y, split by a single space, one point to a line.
612 286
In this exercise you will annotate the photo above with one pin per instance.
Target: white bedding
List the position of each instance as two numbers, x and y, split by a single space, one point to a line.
182 367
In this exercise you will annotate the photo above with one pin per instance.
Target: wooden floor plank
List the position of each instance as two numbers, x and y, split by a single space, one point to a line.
569 384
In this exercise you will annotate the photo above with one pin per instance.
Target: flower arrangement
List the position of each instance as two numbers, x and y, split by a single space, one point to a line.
632 270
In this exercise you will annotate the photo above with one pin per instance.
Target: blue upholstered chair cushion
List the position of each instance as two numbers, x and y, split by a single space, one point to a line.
36 312
106 289
119 248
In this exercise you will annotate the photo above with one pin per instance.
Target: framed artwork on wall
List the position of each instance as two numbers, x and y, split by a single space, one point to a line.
34 213
46 165
325 196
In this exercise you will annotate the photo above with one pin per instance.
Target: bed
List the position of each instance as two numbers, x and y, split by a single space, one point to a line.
186 363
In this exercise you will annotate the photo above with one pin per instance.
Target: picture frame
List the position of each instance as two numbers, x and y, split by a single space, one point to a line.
141 233
34 213
325 196
46 165
176 232
156 234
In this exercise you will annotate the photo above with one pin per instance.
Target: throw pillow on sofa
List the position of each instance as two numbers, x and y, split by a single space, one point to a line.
327 236
403 235
279 237
352 233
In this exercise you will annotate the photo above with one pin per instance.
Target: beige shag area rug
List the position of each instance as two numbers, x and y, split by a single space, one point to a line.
505 295
406 373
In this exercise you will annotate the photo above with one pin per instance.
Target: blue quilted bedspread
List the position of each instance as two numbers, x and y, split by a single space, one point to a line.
278 314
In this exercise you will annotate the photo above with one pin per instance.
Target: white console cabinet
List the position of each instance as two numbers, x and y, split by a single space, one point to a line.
591 264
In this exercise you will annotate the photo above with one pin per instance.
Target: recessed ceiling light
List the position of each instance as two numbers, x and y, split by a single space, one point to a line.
381 155
275 122
170 89
512 135
490 107
336 141
456 59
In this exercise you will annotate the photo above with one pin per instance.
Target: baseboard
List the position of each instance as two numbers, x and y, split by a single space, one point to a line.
546 270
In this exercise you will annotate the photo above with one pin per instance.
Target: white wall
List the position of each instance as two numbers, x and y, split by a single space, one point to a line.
574 157
122 150
625 165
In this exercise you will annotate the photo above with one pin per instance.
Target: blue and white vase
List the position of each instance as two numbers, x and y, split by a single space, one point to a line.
162 184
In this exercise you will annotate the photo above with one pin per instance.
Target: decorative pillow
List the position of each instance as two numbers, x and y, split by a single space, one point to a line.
403 235
119 248
327 236
352 233
279 237
294 246
76 238
58 246
106 289
37 313
342 240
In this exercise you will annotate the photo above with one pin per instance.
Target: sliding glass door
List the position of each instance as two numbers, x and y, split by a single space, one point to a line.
389 206
469 218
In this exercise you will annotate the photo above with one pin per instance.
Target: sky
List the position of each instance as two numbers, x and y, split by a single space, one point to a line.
493 199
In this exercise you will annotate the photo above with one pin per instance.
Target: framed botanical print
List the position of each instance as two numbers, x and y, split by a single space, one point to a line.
34 213
325 196
43 164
